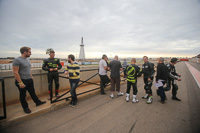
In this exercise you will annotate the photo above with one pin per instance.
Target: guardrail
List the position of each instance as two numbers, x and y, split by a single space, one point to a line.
80 83
4 100
57 99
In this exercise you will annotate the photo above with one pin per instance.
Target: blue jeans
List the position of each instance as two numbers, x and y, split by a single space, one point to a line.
162 92
73 91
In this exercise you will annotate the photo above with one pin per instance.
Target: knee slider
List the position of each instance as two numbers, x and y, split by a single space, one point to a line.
146 87
175 87
167 88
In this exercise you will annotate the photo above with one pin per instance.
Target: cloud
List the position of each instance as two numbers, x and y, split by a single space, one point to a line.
128 28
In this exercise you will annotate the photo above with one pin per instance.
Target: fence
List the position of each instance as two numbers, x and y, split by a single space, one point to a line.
4 100
57 99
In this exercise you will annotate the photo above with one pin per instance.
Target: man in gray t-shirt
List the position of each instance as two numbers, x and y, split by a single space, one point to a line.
115 67
103 73
24 81
24 67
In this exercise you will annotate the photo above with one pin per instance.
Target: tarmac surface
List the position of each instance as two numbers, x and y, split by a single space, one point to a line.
101 114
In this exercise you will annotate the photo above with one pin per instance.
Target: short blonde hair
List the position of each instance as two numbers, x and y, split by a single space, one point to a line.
133 60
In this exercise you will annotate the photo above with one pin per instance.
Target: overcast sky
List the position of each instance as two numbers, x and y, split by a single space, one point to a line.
128 28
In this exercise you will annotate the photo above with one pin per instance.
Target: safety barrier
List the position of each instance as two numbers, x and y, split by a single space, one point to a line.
4 100
59 98
80 83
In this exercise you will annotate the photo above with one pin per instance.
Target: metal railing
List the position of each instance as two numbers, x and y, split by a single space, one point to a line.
4 100
57 99
80 83
4 95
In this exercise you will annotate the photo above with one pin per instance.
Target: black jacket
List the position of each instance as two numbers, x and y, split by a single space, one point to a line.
148 69
172 72
51 63
162 72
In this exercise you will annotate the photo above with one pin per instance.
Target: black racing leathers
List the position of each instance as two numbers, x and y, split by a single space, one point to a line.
148 71
172 75
133 71
52 75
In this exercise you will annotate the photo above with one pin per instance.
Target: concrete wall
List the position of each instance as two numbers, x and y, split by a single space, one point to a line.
40 83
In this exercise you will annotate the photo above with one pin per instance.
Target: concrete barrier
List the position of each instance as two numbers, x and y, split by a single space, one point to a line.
40 82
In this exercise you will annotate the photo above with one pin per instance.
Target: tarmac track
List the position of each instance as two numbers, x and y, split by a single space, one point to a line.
101 114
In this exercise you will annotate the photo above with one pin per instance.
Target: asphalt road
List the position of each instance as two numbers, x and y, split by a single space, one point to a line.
195 65
100 114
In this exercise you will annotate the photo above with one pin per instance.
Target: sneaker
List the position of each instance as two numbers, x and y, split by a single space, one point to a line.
150 100
120 94
111 96
175 98
145 96
27 110
73 105
103 93
127 97
135 100
70 104
40 103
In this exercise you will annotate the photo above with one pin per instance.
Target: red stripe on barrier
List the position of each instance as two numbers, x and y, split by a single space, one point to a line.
195 73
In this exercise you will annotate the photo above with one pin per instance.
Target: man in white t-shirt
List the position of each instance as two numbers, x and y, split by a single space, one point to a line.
103 67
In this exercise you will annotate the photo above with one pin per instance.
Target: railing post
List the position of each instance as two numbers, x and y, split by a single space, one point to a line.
4 100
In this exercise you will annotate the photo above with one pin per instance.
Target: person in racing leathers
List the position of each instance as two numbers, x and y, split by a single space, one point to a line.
52 65
133 71
172 76
148 74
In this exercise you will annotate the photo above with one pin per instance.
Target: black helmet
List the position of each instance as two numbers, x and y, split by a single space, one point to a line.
173 60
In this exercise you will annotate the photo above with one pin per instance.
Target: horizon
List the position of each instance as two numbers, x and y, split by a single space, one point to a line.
129 28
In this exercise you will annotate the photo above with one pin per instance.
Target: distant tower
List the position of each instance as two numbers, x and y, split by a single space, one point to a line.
82 52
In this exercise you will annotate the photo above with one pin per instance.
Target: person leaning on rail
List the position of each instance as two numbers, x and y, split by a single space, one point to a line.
133 71
24 80
172 76
52 65
73 73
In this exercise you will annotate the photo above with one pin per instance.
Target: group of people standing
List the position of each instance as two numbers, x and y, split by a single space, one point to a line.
24 78
166 74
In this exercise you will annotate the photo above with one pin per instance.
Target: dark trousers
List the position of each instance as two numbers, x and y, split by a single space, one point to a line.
115 82
125 75
29 86
174 87
53 76
134 85
104 80
148 85
73 91
162 92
